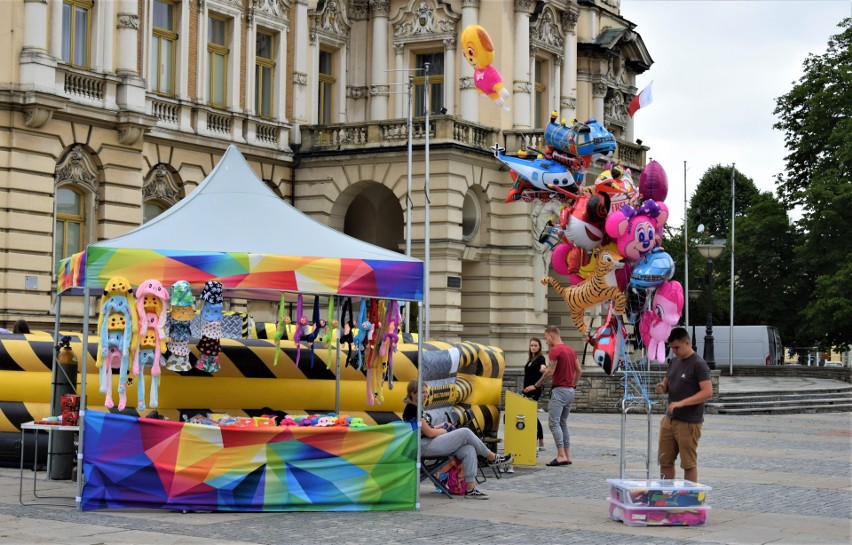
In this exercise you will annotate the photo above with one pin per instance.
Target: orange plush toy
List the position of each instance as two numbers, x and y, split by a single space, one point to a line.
478 49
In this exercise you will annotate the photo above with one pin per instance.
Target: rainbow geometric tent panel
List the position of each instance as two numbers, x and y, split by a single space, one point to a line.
141 463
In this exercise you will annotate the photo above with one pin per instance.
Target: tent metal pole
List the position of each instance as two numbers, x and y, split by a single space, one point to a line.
419 399
337 373
408 203
82 417
426 240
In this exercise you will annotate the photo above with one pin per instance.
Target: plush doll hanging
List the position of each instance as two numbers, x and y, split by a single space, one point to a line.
317 327
116 336
364 327
347 337
151 300
391 338
209 346
281 330
178 324
301 324
329 331
374 368
478 50
118 286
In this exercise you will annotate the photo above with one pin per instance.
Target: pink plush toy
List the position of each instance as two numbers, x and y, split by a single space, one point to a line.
656 324
637 231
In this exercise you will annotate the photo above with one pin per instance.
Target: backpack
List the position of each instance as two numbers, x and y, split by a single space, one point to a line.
454 473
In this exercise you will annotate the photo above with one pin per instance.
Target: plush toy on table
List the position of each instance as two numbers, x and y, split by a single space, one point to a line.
209 345
656 325
179 326
478 50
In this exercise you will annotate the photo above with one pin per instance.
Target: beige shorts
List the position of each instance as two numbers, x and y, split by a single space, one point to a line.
678 437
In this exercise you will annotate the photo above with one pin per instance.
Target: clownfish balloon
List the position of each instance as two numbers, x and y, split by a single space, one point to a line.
478 49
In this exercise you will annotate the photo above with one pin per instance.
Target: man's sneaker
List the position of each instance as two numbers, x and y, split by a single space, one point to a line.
475 494
501 459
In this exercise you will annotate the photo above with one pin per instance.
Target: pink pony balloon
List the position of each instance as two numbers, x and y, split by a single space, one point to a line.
656 325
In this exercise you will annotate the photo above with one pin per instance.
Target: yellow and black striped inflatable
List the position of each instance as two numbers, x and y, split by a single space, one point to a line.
463 375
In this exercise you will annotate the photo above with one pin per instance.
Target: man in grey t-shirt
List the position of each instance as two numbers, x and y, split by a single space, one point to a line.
687 382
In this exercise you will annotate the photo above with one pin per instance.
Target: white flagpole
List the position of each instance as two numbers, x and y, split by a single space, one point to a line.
733 229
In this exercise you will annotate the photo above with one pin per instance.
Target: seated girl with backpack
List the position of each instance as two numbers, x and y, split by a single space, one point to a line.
461 443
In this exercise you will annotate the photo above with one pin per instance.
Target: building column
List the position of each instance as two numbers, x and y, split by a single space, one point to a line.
556 89
450 75
568 93
300 66
401 91
38 69
599 89
521 85
130 94
469 93
379 89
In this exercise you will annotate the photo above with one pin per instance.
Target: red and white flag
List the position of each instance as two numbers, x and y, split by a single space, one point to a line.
644 98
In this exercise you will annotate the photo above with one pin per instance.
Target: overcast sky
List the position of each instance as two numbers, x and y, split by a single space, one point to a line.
718 67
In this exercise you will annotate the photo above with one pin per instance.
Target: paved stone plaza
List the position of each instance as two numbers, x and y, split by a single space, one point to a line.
784 480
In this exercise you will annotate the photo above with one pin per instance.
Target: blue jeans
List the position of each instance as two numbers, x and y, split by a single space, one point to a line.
559 408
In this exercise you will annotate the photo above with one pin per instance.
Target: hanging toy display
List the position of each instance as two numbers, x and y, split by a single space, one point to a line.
209 345
390 339
301 326
478 50
348 326
178 324
329 331
117 330
151 299
281 329
374 369
364 328
316 329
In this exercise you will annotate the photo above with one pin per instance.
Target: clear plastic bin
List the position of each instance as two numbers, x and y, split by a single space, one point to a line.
636 515
658 492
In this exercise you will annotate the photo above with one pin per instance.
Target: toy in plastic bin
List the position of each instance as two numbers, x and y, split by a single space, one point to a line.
634 515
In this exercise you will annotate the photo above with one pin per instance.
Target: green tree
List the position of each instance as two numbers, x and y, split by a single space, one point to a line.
710 205
816 117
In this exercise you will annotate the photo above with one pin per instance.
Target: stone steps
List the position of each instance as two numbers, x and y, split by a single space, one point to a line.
784 402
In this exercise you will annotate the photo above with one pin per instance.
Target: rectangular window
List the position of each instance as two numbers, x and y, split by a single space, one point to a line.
541 114
76 23
163 46
217 60
436 82
69 223
264 72
325 102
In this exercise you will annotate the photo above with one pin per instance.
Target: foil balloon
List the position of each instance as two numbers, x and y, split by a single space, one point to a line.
653 182
656 324
478 49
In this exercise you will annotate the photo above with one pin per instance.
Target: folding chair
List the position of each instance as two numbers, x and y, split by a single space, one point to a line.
428 468
473 425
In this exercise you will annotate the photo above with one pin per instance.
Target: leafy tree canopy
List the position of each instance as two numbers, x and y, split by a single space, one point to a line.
711 203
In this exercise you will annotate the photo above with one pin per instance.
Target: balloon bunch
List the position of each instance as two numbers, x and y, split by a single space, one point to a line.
608 242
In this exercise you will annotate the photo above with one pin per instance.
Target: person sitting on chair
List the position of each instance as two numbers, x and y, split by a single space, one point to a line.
461 443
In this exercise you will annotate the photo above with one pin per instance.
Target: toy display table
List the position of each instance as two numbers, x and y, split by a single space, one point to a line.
35 429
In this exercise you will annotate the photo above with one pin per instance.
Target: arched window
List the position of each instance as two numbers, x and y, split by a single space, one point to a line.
70 229
151 210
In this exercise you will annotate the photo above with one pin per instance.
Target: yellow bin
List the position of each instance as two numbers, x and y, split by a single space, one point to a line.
520 429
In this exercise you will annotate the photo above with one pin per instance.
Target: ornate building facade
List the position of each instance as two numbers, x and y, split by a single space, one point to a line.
113 110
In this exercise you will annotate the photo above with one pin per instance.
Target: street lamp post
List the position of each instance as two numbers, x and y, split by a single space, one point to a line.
710 252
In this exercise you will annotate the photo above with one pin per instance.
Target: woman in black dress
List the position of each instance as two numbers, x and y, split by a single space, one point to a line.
533 371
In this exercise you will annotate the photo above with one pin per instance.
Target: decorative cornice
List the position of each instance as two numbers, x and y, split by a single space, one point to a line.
399 48
160 184
546 33
599 89
466 83
379 90
359 10
77 169
272 8
331 21
128 20
36 116
470 3
523 6
300 78
380 8
449 43
569 20
356 93
522 86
